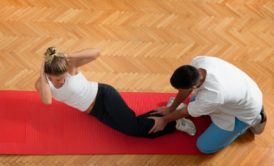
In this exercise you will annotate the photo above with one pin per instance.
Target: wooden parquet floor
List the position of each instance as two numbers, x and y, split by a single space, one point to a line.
142 42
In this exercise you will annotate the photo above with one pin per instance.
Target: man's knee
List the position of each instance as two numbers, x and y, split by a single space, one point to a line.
204 147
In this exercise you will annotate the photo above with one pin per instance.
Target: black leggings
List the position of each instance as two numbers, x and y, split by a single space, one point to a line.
111 109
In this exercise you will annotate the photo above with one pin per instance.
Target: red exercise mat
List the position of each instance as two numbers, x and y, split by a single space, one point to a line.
29 127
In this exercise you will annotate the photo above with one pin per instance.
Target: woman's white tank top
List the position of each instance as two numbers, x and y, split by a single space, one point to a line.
76 92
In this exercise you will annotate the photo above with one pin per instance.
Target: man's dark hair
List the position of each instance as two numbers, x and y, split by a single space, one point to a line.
184 77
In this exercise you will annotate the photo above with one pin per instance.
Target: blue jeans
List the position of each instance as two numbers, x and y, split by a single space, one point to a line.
214 138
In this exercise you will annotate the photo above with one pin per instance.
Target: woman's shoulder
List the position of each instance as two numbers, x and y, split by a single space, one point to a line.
73 71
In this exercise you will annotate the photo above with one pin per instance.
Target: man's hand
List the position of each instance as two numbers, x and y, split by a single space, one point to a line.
162 111
159 124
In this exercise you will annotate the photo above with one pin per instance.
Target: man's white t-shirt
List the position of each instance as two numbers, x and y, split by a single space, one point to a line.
226 94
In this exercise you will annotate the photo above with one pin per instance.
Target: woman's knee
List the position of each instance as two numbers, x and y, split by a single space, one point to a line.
106 86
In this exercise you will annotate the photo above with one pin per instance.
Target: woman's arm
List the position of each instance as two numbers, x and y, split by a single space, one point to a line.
82 57
42 86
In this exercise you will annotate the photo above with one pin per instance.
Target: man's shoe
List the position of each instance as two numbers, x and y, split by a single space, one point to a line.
186 125
259 128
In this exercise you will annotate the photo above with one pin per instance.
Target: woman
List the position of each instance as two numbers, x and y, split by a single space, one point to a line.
61 79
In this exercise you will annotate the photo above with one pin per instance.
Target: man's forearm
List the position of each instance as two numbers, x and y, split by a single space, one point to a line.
180 97
175 115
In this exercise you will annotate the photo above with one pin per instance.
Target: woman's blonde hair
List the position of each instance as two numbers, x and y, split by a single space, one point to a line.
55 62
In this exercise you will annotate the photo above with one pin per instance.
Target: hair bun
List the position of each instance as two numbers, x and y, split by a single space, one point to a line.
51 51
50 54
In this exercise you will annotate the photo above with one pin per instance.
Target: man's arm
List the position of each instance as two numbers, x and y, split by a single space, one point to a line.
175 115
161 122
180 97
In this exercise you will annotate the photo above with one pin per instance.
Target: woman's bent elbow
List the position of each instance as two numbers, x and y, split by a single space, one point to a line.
47 102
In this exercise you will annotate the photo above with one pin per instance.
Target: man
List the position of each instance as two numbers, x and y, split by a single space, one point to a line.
225 93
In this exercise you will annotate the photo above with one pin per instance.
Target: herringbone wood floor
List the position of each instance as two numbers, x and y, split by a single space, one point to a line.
142 42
